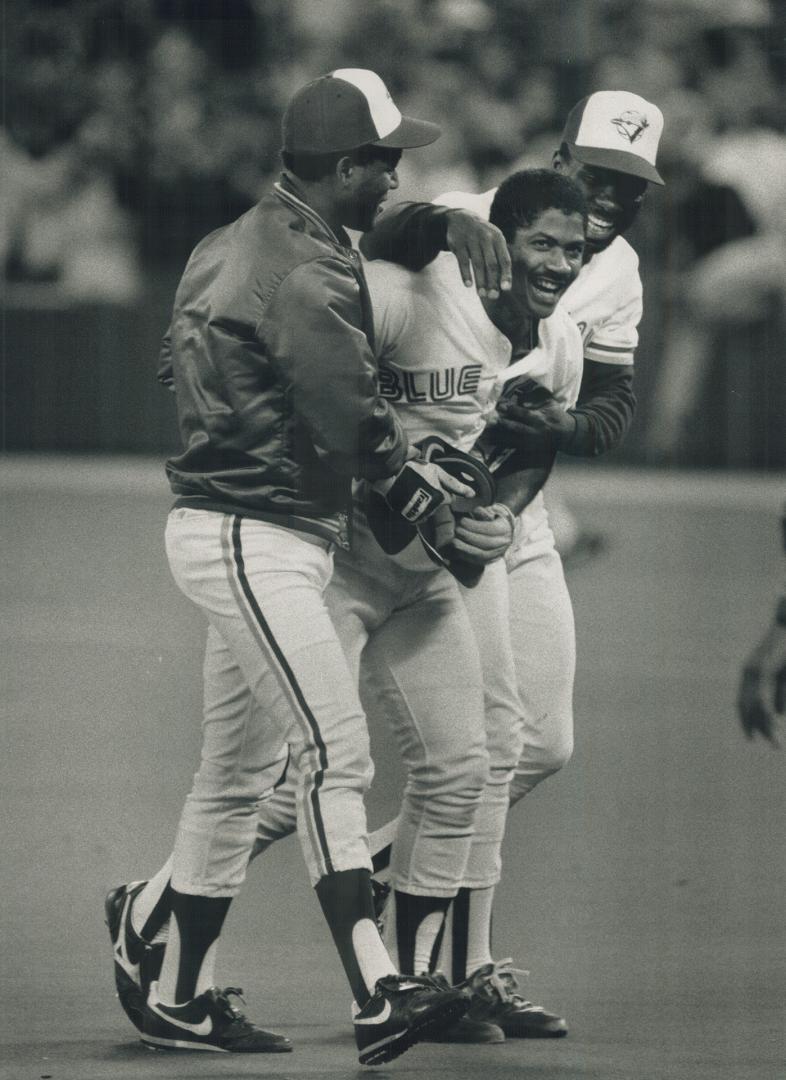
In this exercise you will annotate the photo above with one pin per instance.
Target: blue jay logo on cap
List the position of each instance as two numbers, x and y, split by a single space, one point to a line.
631 124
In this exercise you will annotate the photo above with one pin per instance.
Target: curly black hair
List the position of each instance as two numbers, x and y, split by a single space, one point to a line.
523 195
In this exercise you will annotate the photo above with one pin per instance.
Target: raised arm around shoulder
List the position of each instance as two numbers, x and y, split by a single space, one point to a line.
413 234
313 333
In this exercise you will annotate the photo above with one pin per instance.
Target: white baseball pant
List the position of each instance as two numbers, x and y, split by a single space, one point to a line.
275 674
543 637
412 630
488 608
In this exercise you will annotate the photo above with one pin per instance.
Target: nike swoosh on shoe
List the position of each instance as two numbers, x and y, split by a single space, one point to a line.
204 1027
381 1017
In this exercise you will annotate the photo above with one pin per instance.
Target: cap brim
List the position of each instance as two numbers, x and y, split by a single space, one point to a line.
409 134
618 160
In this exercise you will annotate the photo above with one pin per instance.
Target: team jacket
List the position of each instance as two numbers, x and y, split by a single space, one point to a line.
270 354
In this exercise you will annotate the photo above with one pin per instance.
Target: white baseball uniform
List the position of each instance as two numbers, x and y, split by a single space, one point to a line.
442 364
605 302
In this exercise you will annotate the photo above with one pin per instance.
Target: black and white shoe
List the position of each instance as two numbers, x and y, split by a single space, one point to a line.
137 964
402 1011
465 1030
209 1021
495 998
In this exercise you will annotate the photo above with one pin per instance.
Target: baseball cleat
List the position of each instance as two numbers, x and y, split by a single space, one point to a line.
208 1022
495 998
469 1032
137 964
466 1030
401 1012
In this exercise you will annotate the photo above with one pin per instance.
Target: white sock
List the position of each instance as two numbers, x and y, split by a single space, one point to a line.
389 930
146 900
425 938
373 958
481 902
167 980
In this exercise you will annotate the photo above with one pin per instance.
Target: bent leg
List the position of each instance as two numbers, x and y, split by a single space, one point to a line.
261 588
544 645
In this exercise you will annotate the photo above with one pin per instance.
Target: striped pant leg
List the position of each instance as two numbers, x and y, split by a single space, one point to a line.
261 588
357 602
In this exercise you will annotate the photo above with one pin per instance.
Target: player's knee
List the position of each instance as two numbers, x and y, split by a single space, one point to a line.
452 779
540 761
239 788
551 745
471 777
348 762
269 830
558 751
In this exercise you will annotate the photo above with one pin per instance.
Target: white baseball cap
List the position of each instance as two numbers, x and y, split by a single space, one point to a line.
348 108
614 129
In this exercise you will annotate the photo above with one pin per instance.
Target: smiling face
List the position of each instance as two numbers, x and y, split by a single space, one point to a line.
546 257
613 198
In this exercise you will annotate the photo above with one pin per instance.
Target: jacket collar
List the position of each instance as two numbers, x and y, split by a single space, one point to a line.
287 191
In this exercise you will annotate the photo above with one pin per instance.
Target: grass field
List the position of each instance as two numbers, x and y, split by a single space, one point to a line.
645 884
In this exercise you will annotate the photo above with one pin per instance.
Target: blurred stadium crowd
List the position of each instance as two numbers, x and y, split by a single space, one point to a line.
133 127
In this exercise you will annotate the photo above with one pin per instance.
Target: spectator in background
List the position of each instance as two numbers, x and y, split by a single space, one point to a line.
131 129
726 253
700 226
62 222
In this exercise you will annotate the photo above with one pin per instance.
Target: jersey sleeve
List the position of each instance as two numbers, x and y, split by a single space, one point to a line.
464 200
604 411
614 340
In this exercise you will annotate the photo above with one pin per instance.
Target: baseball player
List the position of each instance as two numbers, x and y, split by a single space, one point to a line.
269 349
761 699
444 357
609 147
442 363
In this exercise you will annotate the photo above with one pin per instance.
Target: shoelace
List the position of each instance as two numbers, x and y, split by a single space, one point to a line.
235 1015
502 978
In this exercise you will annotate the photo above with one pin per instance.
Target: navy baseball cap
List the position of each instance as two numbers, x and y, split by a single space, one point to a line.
614 129
348 108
